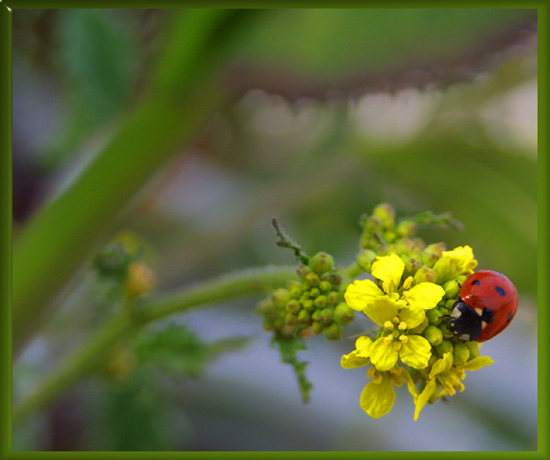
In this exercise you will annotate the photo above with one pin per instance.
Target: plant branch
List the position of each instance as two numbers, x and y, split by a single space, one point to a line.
90 356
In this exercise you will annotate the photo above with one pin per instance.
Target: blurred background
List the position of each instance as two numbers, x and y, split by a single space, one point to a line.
468 146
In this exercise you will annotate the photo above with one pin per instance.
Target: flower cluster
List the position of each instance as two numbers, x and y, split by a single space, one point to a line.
314 303
406 287
410 312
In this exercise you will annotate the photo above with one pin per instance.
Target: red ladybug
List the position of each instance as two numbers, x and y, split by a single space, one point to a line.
488 302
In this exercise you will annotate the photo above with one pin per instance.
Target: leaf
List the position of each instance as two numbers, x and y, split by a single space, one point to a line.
308 52
99 55
288 348
178 350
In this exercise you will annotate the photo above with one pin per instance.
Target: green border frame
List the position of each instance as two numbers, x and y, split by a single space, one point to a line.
6 228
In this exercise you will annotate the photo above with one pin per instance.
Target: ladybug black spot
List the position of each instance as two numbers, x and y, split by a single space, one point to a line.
476 282
501 292
510 316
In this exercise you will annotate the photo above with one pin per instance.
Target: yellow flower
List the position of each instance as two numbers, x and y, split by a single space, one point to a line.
378 396
448 376
396 313
459 261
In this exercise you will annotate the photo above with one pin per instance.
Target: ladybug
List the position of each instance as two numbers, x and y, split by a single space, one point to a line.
487 304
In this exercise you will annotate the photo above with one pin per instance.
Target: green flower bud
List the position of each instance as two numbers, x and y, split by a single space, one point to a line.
295 288
452 289
291 319
280 297
312 279
425 274
326 315
373 224
433 335
325 286
307 304
445 330
293 306
335 279
473 348
333 331
432 253
461 354
303 271
315 315
365 258
386 214
304 317
412 265
321 301
321 263
343 314
444 347
314 292
333 298
317 327
449 304
434 316
406 228
420 328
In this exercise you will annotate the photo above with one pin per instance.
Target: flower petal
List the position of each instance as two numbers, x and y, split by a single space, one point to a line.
363 344
377 398
412 316
454 263
353 360
388 269
381 309
358 357
416 352
383 355
442 365
406 377
360 292
477 363
421 400
425 295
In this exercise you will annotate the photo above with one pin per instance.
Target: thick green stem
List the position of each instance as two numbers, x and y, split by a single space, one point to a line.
181 97
91 355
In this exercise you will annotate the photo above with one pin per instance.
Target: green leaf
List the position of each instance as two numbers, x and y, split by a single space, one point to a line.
180 351
99 58
288 348
305 52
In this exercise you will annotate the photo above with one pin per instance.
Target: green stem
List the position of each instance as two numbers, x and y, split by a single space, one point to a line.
89 357
184 92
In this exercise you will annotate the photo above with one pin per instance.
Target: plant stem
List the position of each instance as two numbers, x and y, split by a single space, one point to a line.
89 358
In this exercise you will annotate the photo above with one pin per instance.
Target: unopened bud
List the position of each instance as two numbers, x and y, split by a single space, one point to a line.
139 281
321 263
343 314
444 347
293 306
280 297
333 331
365 258
405 228
432 253
425 274
452 289
461 354
386 214
433 335
320 301
434 316
317 327
326 315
